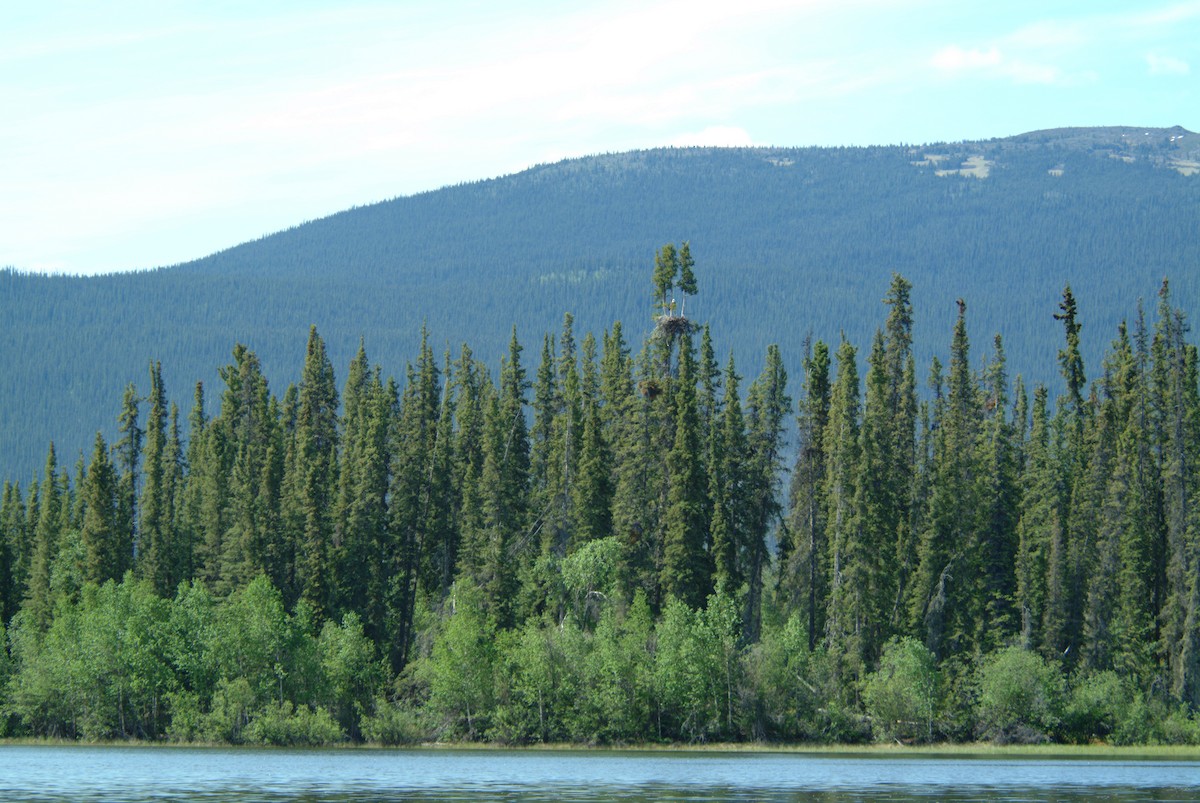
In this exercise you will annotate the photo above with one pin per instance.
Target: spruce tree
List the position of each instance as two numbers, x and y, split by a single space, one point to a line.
565 444
804 558
316 474
1039 528
686 572
248 426
592 495
545 408
900 369
943 607
14 546
37 603
1068 587
156 524
127 452
191 523
727 488
846 604
999 494
179 552
879 492
1176 406
362 544
768 405
101 533
440 555
1133 500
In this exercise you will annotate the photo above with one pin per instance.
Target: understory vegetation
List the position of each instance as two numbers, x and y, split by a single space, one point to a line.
624 548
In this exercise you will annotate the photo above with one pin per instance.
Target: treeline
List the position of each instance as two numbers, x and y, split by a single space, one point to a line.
602 550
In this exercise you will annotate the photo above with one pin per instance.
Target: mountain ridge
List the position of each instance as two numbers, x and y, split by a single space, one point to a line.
789 242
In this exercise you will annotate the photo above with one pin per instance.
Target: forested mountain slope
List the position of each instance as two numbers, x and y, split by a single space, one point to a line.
791 242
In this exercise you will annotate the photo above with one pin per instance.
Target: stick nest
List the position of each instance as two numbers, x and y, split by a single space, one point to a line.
672 326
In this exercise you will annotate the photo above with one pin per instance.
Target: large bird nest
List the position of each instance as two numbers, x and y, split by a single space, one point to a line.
672 326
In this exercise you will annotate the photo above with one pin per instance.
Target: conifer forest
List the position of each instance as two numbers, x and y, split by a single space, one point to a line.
608 542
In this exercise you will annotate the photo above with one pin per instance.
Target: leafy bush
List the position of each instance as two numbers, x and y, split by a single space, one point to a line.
1020 697
1098 705
232 704
392 724
281 724
901 697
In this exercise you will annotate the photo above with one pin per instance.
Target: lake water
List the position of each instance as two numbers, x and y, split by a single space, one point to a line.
246 775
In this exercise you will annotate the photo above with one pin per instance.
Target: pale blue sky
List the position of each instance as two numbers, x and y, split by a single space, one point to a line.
139 134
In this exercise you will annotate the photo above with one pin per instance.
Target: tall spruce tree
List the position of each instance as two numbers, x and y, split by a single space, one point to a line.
804 556
998 493
900 369
316 474
101 532
127 452
593 490
728 454
846 606
768 405
878 494
1067 588
686 572
155 524
942 606
1176 407
1040 527
37 603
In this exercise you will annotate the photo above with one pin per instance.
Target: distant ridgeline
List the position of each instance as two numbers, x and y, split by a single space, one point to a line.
795 242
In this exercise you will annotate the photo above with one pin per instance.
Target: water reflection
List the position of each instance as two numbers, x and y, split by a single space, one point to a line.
79 773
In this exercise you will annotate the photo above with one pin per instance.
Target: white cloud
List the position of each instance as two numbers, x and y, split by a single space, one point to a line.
994 63
1166 65
955 59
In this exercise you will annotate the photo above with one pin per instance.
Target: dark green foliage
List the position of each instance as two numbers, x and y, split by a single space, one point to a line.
804 568
315 472
419 563
686 570
105 551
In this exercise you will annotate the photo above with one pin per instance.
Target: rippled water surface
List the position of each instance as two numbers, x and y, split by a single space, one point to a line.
44 773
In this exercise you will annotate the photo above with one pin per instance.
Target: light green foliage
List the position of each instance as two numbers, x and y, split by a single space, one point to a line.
284 724
533 683
393 724
901 696
351 670
697 668
617 685
250 640
591 575
780 678
1020 696
101 671
459 671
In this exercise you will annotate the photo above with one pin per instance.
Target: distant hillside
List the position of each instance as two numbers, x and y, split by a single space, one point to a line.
788 242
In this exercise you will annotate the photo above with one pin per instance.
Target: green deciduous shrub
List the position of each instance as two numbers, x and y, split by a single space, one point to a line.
1020 697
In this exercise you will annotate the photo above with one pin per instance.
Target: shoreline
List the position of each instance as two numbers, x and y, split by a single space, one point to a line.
971 750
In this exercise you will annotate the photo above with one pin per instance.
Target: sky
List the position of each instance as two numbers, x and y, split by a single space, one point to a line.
143 134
